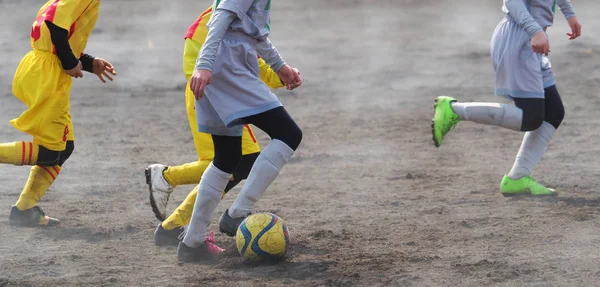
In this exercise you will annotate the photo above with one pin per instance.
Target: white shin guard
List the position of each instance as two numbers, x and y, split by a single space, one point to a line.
211 186
264 171
532 150
502 115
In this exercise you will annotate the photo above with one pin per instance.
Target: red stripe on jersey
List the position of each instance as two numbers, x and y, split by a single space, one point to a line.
192 29
47 14
250 132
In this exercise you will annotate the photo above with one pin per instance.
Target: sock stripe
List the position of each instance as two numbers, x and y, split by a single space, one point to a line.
30 152
48 171
23 153
250 132
56 170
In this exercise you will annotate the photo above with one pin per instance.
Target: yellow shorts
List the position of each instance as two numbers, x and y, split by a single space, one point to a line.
204 142
44 87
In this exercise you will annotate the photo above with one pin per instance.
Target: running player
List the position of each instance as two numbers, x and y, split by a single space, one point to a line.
43 83
523 73
234 96
162 179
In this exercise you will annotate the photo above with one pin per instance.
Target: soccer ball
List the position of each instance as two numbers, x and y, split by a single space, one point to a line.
263 237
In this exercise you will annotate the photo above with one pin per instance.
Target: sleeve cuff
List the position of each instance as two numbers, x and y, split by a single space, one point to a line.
278 65
534 29
204 66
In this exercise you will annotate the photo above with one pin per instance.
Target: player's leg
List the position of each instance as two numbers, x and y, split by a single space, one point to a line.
194 246
162 179
533 147
448 112
285 139
170 231
48 120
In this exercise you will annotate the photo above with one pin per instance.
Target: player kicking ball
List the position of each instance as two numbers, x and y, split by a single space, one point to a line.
163 179
523 73
229 94
43 83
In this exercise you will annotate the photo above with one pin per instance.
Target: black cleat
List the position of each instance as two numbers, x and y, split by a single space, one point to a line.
33 217
205 253
228 225
163 237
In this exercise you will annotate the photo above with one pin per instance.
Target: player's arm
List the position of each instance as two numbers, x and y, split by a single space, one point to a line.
566 8
60 40
518 11
71 65
268 76
269 53
216 31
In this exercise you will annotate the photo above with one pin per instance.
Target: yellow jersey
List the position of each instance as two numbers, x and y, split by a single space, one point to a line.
195 38
76 16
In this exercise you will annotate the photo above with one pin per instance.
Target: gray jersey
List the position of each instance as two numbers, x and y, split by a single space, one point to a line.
536 15
253 16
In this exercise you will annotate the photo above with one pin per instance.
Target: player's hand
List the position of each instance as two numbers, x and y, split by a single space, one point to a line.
575 28
290 77
540 44
200 79
103 68
75 72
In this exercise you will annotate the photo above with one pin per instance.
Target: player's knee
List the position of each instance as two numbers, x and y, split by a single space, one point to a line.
48 157
555 110
227 162
533 113
228 152
532 122
555 116
291 136
64 155
295 137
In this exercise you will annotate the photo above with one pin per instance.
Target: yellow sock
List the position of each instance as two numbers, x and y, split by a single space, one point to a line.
40 179
19 153
189 173
183 214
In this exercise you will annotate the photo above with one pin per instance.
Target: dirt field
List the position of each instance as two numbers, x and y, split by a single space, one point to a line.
369 200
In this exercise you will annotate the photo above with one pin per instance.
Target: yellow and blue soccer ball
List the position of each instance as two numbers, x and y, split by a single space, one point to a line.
263 237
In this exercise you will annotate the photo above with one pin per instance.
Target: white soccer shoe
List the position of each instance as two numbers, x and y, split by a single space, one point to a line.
160 190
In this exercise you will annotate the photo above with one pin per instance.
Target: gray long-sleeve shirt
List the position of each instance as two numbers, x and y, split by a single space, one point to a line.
217 27
536 15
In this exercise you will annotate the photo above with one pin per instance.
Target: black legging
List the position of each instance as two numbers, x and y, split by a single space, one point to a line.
536 111
277 123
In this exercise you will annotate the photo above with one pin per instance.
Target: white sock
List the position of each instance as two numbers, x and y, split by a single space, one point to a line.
211 186
502 115
264 171
532 150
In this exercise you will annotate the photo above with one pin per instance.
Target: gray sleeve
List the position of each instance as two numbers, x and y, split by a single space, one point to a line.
240 7
518 11
269 53
566 8
217 27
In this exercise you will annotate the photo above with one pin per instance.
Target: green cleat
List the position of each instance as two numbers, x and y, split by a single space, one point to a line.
444 119
524 186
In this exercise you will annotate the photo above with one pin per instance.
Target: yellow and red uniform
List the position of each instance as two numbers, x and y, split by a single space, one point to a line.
190 173
41 83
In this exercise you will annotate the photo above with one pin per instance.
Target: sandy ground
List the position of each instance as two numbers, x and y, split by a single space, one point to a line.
369 200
